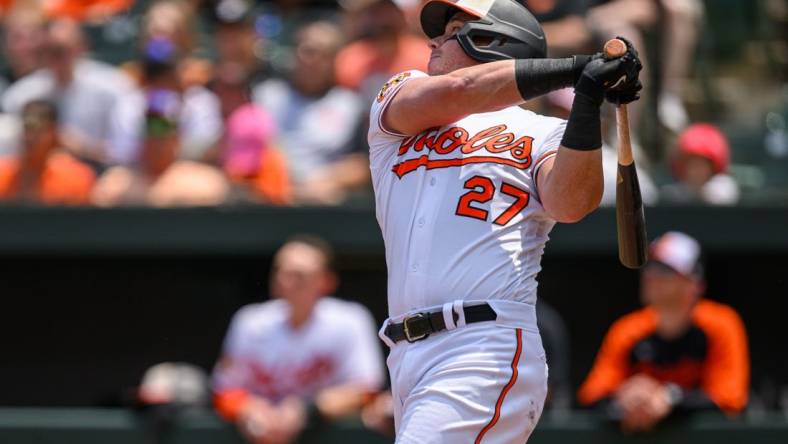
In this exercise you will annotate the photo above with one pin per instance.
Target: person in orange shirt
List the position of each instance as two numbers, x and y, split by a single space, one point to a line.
250 159
679 354
42 173
85 10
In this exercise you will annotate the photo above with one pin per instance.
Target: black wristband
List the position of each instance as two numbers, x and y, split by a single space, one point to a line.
583 128
536 77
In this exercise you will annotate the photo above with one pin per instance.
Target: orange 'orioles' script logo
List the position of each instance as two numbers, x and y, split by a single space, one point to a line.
493 140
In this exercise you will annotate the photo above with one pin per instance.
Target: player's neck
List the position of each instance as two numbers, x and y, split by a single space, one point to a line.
674 321
300 316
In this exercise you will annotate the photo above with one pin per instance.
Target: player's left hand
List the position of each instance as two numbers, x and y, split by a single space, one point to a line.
628 90
601 75
264 423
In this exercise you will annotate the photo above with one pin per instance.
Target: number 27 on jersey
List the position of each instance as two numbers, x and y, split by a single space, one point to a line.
482 189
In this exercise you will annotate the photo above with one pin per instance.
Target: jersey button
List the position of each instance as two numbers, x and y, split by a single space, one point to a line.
432 182
421 222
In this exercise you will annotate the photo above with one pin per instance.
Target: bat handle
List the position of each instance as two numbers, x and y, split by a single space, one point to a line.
615 48
624 142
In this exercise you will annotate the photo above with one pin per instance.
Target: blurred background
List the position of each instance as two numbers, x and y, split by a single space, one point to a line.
155 155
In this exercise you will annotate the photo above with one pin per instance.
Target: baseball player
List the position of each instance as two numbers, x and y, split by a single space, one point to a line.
467 187
300 357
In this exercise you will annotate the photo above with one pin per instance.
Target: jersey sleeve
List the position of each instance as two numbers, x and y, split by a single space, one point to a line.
726 371
381 102
231 375
547 149
362 359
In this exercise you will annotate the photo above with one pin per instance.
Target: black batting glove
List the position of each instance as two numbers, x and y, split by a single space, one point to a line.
624 94
601 75
629 90
579 63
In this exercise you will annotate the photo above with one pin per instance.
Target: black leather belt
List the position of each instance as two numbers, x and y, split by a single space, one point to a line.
420 325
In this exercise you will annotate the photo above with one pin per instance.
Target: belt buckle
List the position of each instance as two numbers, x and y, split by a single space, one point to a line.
406 328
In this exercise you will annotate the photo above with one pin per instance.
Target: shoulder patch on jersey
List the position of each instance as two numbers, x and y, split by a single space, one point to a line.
395 80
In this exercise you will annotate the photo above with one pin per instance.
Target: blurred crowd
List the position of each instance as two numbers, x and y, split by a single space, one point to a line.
232 101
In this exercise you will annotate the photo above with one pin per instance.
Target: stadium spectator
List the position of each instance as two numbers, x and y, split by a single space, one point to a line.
382 46
159 177
93 11
89 95
237 42
680 354
301 357
169 35
317 121
682 23
563 23
42 172
608 19
699 165
678 22
250 158
23 38
247 152
10 133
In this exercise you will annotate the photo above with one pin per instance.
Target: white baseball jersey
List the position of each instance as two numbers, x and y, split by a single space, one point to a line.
458 205
264 355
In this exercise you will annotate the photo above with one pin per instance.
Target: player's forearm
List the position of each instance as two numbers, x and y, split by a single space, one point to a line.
440 100
573 186
574 183
338 401
231 403
514 81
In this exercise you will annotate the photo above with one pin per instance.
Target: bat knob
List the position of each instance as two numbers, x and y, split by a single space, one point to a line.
615 48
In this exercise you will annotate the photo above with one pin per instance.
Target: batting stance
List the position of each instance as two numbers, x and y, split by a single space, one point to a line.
467 187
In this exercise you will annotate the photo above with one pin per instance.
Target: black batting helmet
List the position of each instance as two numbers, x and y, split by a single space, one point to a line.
511 30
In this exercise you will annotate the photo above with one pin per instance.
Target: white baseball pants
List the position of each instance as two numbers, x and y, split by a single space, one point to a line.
480 383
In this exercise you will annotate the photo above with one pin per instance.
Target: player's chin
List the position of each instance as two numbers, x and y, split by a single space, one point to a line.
435 66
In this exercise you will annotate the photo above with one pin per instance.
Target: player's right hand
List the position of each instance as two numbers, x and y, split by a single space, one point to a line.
626 93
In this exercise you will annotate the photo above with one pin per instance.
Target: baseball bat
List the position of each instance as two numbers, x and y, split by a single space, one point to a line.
630 218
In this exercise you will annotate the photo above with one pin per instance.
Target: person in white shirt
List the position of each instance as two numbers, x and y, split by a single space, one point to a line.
90 95
467 187
317 121
300 356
